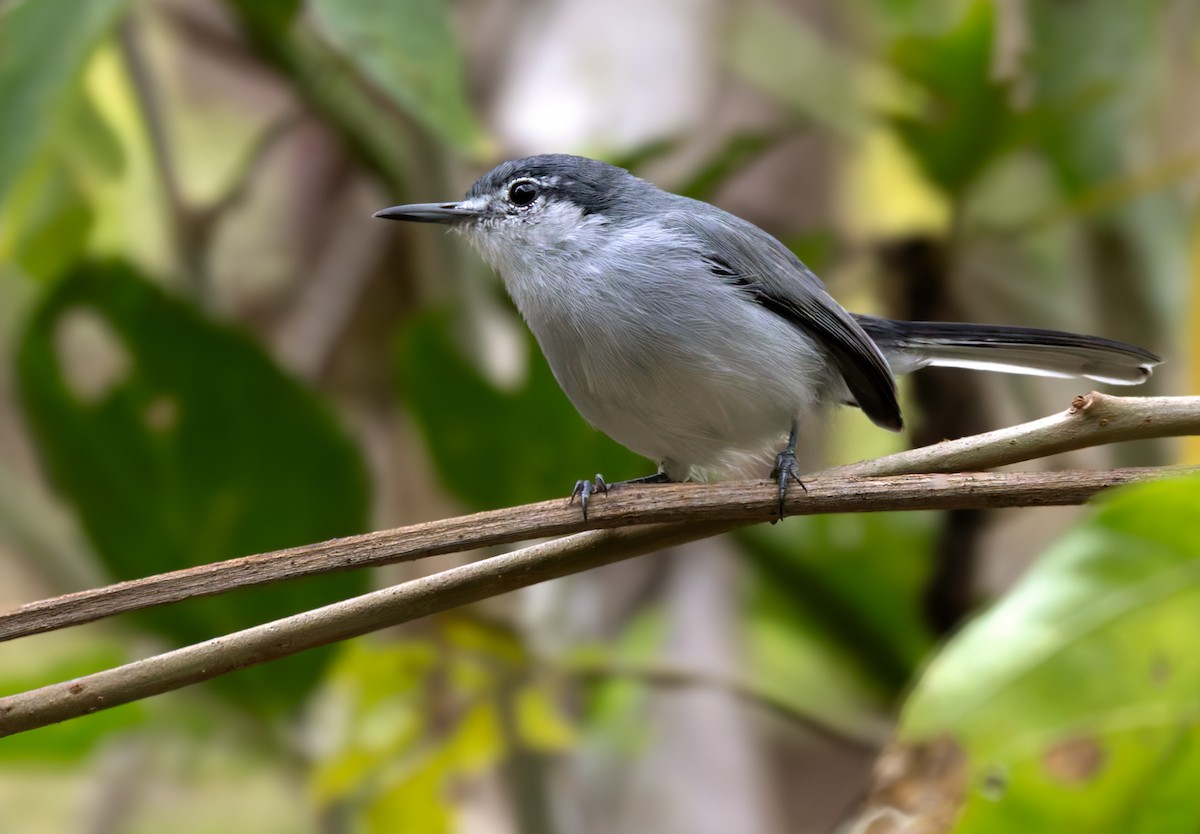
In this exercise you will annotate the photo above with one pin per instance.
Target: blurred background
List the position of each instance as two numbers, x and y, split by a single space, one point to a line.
208 348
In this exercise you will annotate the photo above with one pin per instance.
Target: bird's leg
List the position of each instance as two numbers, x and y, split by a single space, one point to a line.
787 469
585 489
658 477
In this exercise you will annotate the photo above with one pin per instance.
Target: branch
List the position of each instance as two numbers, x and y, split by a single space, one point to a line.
439 592
1092 420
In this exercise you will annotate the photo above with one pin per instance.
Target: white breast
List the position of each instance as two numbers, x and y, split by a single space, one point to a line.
651 347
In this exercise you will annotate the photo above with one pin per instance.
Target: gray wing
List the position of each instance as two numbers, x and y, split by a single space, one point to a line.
743 254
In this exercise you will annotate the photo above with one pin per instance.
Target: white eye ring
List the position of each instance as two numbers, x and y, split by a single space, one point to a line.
523 192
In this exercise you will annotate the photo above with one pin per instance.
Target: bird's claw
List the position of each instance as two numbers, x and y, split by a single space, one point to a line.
585 489
786 469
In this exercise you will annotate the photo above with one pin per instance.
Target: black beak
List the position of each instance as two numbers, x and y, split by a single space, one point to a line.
429 213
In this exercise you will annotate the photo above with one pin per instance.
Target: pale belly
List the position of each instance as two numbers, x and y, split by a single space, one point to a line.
666 358
701 404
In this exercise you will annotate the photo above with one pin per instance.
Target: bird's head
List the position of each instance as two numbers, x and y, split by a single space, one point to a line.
540 206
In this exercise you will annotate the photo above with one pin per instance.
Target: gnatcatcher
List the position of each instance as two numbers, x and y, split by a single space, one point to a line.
695 338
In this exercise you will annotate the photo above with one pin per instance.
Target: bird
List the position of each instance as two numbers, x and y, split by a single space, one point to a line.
696 339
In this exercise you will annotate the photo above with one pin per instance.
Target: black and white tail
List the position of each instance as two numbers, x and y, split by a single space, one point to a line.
910 345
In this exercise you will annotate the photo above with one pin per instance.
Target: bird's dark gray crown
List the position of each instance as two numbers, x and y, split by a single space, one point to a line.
592 185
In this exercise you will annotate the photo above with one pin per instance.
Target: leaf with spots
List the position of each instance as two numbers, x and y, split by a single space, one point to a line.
179 442
1077 697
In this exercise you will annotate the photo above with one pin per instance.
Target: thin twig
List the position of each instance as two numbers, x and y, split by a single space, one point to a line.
501 574
870 736
192 227
1092 420
253 160
180 215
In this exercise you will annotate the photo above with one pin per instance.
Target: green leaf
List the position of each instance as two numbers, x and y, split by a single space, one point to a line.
490 644
497 448
968 121
834 620
327 84
863 574
88 140
417 718
409 51
782 54
1099 69
179 443
1077 698
422 801
274 16
43 47
49 219
380 697
615 706
904 15
540 722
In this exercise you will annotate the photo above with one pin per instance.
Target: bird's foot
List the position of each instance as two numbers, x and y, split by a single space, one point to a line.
786 469
585 489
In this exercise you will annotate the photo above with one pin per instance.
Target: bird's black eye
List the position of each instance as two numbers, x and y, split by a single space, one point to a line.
522 193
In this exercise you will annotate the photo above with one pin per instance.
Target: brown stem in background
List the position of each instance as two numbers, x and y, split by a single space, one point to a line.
951 403
185 225
192 227
524 769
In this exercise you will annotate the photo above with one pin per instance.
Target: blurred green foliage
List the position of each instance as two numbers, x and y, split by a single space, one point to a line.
54 137
409 51
423 715
186 445
817 636
1094 97
43 47
172 428
967 119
